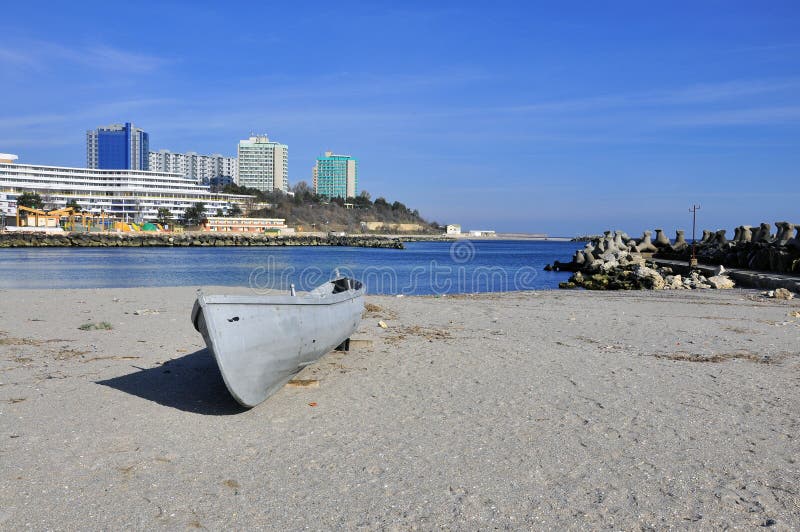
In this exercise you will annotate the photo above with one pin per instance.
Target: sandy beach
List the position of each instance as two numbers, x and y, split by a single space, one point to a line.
518 410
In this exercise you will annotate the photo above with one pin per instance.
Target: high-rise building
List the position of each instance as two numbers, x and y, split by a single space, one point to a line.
201 168
336 176
117 147
263 164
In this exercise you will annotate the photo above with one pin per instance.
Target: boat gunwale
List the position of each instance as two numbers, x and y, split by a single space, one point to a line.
237 299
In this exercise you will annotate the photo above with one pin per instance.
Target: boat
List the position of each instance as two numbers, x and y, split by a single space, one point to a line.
261 341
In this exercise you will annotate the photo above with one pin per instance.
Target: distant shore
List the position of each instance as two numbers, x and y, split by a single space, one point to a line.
24 239
197 239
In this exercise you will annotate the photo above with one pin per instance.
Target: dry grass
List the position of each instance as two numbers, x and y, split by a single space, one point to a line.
303 383
740 330
429 333
721 357
19 341
66 354
103 325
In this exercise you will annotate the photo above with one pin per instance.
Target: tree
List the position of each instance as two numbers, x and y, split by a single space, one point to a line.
234 210
399 207
220 213
362 201
196 214
32 200
301 188
72 204
381 202
164 216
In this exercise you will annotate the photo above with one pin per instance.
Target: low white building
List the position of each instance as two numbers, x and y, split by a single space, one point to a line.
453 229
128 195
481 232
244 225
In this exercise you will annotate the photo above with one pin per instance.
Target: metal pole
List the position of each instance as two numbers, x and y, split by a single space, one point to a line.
693 210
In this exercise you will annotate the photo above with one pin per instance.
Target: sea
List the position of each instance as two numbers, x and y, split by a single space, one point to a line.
423 268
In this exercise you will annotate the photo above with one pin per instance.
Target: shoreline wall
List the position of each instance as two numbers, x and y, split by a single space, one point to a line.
35 239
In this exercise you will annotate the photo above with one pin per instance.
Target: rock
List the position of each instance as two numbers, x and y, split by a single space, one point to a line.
721 282
794 243
649 277
609 265
763 234
646 245
785 230
746 234
780 293
661 239
680 241
595 265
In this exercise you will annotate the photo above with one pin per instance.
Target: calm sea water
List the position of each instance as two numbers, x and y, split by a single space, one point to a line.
421 268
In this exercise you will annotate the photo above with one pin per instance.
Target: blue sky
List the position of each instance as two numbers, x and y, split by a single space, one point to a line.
557 117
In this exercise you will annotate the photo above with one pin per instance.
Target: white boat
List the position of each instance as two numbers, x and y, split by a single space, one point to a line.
261 341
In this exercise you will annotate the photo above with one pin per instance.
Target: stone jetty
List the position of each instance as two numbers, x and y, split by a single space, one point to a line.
34 239
753 247
616 261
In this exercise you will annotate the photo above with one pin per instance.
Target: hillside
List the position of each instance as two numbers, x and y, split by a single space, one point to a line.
310 212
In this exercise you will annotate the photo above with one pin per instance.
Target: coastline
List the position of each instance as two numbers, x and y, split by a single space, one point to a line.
520 410
191 239
20 239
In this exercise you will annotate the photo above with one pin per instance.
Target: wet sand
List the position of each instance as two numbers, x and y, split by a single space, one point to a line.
519 410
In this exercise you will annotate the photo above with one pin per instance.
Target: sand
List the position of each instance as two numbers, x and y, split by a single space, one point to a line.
519 410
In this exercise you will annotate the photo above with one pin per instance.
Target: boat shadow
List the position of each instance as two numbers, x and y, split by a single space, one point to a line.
191 383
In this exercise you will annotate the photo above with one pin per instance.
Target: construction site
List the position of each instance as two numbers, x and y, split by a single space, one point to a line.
74 221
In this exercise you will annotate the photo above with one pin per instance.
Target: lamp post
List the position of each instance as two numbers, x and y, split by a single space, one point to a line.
693 260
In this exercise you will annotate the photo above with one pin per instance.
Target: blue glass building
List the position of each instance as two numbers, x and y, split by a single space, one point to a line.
118 147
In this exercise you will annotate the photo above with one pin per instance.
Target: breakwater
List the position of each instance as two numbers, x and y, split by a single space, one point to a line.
617 261
752 248
28 240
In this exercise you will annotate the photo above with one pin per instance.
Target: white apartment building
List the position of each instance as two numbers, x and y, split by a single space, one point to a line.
129 195
201 168
263 164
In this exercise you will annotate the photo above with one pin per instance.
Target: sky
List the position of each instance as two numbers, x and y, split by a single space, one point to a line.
564 118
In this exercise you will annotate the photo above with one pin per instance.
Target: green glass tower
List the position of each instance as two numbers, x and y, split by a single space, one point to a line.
336 176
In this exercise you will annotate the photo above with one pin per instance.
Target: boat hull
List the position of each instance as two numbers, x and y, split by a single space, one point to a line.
260 342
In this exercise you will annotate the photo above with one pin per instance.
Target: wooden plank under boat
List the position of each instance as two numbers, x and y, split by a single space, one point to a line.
261 341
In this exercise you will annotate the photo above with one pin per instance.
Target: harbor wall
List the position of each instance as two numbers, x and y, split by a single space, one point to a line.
41 239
